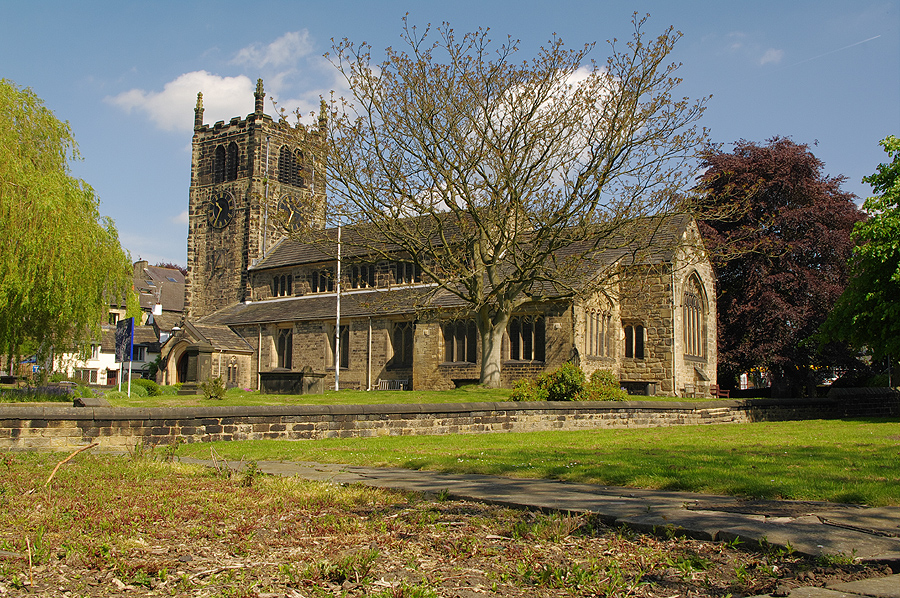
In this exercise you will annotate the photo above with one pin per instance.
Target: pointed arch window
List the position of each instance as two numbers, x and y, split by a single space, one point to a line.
693 318
290 166
402 345
231 162
598 333
219 165
285 347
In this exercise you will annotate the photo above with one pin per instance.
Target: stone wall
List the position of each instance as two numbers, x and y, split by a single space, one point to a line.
56 427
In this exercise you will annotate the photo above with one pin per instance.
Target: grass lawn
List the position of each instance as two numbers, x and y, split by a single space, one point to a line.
836 460
237 396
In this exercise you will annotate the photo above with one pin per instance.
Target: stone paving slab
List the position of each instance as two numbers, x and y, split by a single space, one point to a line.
881 587
814 592
814 539
879 520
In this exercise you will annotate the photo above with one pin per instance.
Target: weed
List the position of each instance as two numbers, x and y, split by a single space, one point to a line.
443 495
836 559
742 574
250 473
353 566
405 590
734 542
213 389
688 565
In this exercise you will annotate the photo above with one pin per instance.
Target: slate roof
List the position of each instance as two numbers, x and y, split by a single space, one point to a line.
165 284
324 306
165 322
220 337
143 335
664 234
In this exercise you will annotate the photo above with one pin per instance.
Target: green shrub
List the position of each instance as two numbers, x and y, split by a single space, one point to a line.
213 388
169 390
82 391
136 389
566 383
115 394
528 389
604 386
151 386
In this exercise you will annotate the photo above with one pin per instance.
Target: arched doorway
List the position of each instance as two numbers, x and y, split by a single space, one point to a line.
181 369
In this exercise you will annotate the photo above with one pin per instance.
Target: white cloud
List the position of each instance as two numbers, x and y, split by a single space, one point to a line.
182 218
285 50
772 55
172 109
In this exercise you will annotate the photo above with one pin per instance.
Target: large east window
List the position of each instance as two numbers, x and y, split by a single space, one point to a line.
693 318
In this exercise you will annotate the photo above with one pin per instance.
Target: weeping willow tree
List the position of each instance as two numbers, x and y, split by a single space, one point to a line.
500 177
61 263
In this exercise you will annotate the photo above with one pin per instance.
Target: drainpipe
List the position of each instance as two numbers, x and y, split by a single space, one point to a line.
369 358
674 337
258 356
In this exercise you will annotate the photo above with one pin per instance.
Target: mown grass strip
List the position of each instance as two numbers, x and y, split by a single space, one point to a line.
835 460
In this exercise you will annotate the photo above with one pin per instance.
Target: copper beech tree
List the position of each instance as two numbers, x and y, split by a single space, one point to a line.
499 177
780 249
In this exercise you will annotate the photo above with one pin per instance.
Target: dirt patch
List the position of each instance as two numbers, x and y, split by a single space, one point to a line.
120 527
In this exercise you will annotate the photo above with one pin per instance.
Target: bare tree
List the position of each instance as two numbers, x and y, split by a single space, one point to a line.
499 177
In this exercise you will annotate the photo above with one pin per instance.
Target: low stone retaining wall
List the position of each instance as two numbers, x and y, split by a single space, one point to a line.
49 426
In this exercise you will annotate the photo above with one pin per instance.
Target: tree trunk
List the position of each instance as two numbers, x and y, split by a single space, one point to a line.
491 332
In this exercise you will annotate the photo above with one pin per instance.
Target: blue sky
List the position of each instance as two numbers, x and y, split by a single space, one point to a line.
125 75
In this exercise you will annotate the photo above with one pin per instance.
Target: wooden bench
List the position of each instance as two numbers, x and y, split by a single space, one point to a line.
688 391
719 393
392 385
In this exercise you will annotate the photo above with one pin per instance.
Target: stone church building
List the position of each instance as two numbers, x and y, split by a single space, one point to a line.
260 306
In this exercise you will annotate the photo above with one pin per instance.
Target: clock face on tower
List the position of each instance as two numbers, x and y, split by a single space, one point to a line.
292 213
221 210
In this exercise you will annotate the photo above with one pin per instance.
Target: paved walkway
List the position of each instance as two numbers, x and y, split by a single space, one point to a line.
811 528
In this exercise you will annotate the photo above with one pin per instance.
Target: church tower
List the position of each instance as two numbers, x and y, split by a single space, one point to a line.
251 180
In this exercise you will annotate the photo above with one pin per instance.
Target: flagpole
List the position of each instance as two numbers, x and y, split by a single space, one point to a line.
337 325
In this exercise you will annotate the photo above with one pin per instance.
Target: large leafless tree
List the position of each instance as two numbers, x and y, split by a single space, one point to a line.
497 175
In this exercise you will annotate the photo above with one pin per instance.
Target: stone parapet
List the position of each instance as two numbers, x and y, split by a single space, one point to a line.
55 427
